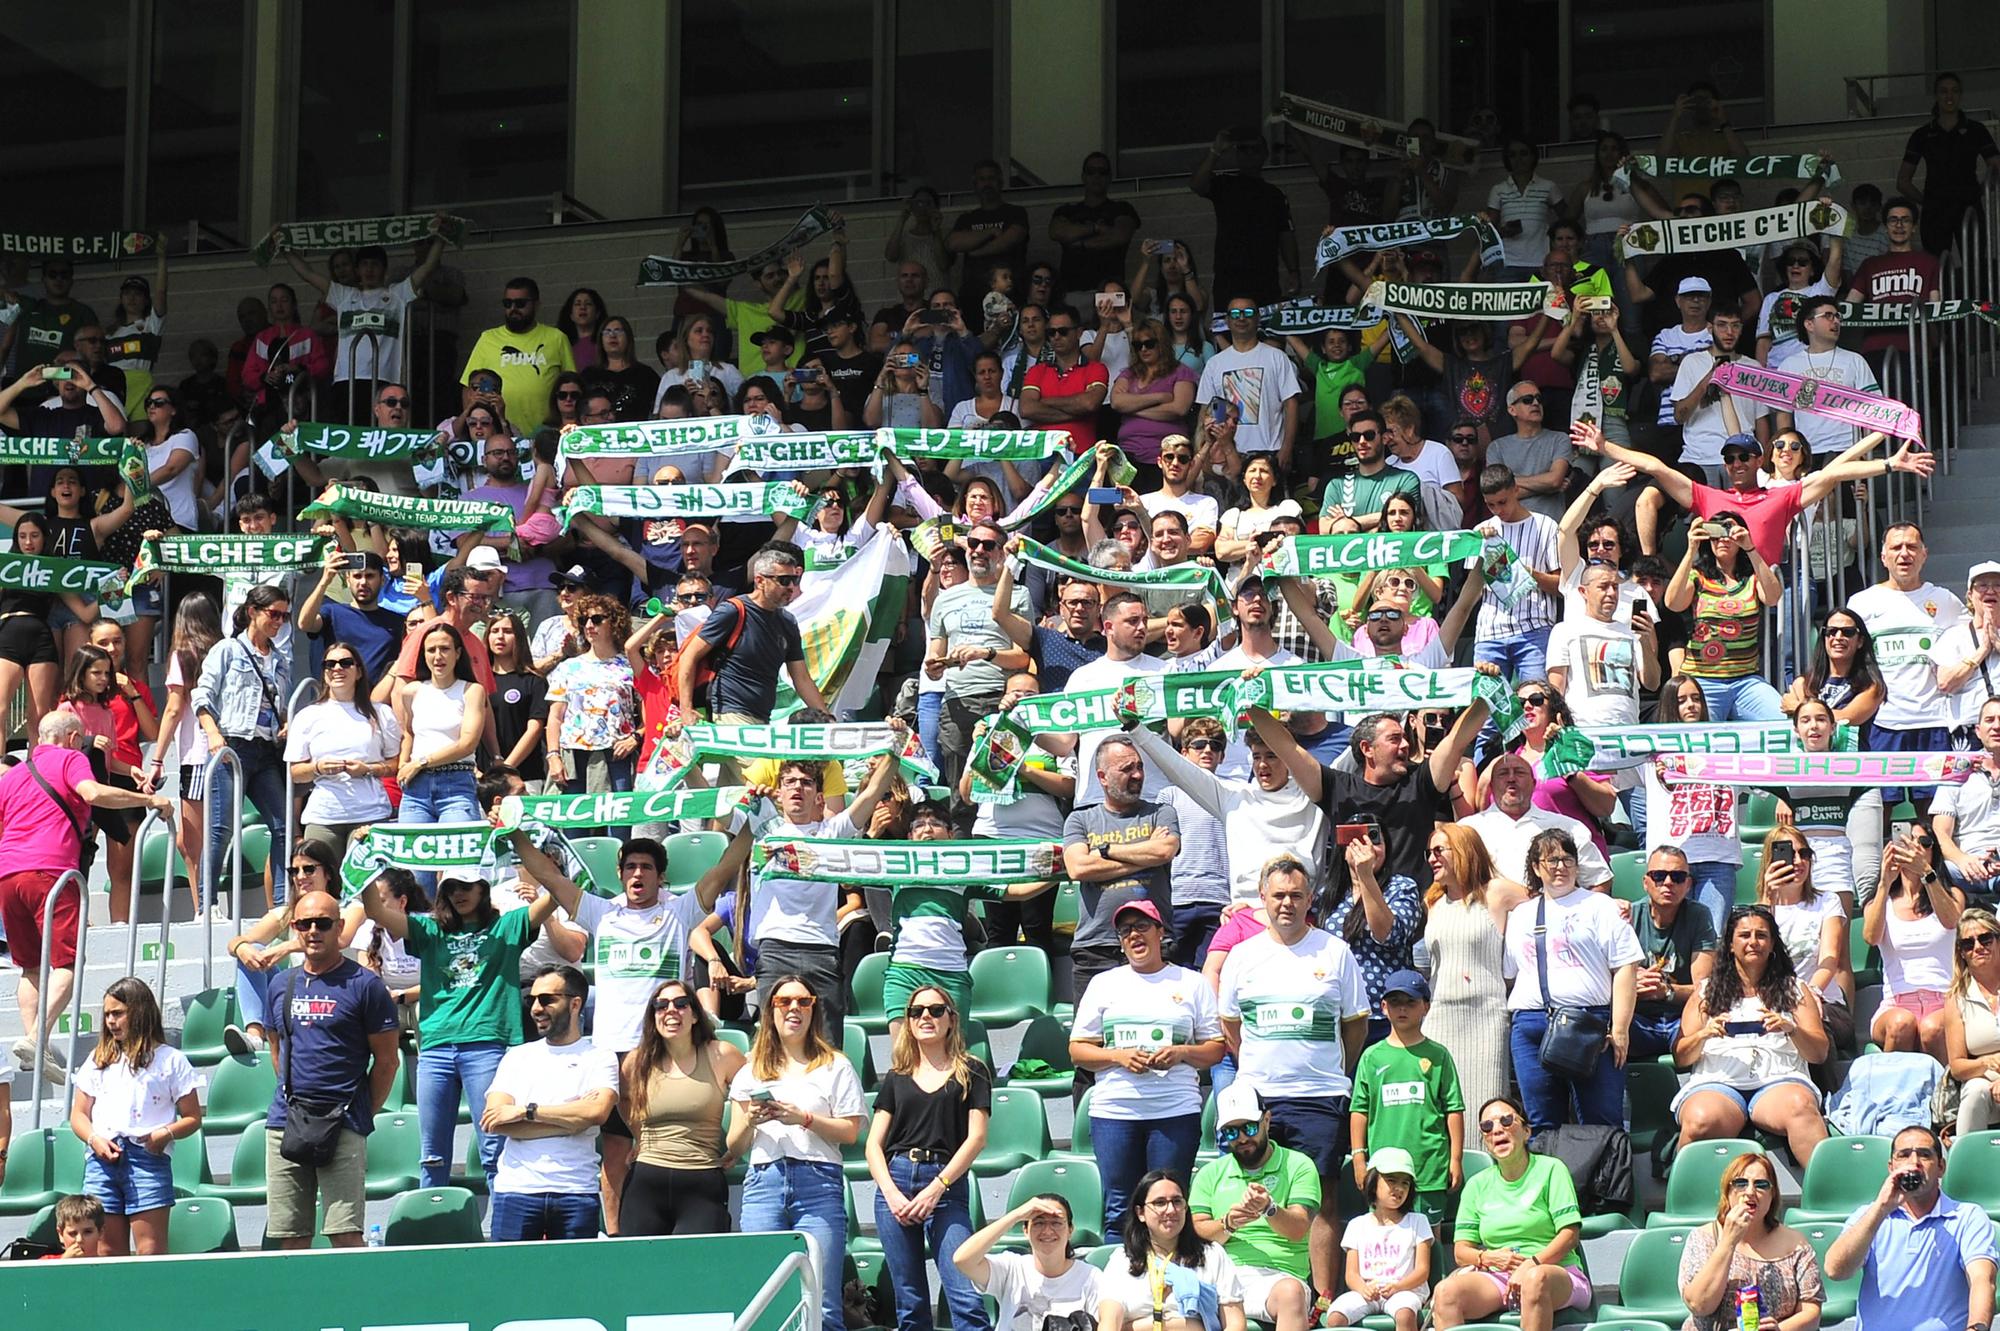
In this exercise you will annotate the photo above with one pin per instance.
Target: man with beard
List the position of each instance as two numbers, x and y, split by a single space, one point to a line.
374 630
1118 852
529 585
1257 1199
526 353
548 1100
968 650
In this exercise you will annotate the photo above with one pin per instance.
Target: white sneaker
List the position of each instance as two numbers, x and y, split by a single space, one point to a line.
53 1071
24 1054
239 1042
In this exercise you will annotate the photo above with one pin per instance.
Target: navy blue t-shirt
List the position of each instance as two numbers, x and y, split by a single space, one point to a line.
377 634
323 1023
1056 655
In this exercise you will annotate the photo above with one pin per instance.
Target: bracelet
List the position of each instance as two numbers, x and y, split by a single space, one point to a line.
809 1120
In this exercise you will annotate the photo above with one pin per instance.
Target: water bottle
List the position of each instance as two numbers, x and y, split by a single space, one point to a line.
375 1241
1747 1310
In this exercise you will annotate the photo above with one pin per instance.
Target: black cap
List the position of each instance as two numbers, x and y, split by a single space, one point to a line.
775 333
573 576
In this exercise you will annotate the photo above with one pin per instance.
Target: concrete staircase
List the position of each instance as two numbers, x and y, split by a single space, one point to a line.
1959 513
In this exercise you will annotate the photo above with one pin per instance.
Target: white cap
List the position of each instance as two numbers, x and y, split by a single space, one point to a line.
1392 1160
485 559
1980 570
1238 1103
460 874
1694 286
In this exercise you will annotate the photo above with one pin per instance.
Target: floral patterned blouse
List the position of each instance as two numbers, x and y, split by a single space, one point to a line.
1783 1283
600 706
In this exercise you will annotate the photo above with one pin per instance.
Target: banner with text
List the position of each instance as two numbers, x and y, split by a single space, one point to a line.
388 232
658 270
1788 166
931 864
1363 552
1337 244
750 499
1797 394
1735 231
634 439
1495 302
1363 131
1819 769
391 510
79 244
624 808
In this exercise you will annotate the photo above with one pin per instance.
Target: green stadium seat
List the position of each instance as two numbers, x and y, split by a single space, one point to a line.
42 1227
1748 873
1843 1176
1101 1255
977 1042
200 1225
1972 1171
864 1008
394 1152
870 1271
1842 1296
1205 1149
1757 817
1077 1181
1047 1039
1079 1131
239 1093
190 1161
424 1216
600 857
690 855
1015 1134
248 1184
1068 911
1010 984
1649 1285
1628 875
1866 959
730 1035
43 1164
205 1014
1694 1180
155 847
1629 1324
854 1159
860 1052
1649 1088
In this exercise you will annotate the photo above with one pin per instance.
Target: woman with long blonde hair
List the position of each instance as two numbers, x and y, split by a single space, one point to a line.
1468 903
1972 1019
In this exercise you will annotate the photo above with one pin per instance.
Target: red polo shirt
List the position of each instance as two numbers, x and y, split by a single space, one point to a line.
1049 381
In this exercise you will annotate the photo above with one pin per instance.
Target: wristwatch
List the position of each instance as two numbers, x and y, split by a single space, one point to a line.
1270 1209
529 1112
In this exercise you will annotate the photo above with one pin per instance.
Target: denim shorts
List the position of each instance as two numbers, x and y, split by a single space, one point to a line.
140 1181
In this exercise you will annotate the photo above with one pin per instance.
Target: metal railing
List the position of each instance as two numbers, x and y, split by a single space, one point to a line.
222 757
41 1032
354 344
807 1265
132 895
1865 92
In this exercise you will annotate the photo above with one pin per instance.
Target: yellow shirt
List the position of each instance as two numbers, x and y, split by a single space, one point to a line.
764 772
527 363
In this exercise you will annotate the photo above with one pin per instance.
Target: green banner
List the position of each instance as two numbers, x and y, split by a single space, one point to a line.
932 864
128 455
635 439
391 510
1337 244
1787 166
1481 301
388 232
79 244
807 452
53 575
674 755
746 499
1362 552
1301 318
623 809
359 441
1195 579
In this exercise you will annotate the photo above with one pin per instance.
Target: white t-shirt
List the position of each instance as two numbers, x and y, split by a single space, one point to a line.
1105 673
1783 345
1800 924
125 1103
379 311
337 730
1603 665
1587 939
505 896
1957 645
792 910
190 746
1698 817
634 951
1026 1296
965 416
1506 840
178 491
1292 1001
1433 464
1199 510
1258 383
1119 1285
399 970
543 1074
731 377
1839 366
1907 627
828 1091
1126 1010
1702 435
1236 758
1973 804
548 637
1630 593
1387 1252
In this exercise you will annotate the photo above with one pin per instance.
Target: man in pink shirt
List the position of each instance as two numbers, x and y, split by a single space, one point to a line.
42 825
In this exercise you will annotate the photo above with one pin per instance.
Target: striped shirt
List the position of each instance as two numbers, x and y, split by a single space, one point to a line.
1533 205
1533 541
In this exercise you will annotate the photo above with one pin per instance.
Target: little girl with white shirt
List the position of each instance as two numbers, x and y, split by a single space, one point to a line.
1388 1250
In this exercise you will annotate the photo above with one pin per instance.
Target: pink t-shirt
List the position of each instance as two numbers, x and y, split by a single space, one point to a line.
1243 924
34 833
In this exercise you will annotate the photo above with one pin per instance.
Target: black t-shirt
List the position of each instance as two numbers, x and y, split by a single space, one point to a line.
1085 269
1250 215
520 696
635 385
1352 201
1950 158
979 267
937 1120
204 399
70 538
746 675
1727 275
853 377
1407 811
894 316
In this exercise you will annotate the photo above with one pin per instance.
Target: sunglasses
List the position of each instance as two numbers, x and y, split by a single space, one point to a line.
393 401
1741 455
1224 1136
1364 434
1974 941
1675 876
1746 1184
1465 439
1534 700
301 870
312 924
341 663
1069 510
1061 330
932 1010
1789 445
784 579
1497 1122
1206 746
1242 311
512 304
1840 631
1527 398
1394 615
672 1003
545 1000
1145 343
690 598
790 1002
1177 457
980 543
588 620
158 402
567 395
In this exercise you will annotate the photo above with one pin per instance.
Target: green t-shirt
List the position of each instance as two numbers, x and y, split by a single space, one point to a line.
471 979
1523 1215
1359 495
1406 1094
1291 1180
1331 378
527 363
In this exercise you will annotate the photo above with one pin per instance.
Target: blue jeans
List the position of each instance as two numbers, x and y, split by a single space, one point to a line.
903 1251
1127 1148
444 1073
439 797
1653 1034
809 1195
1713 885
1551 1098
1523 656
264 785
930 706
1194 925
1748 699
1219 1078
253 993
519 1217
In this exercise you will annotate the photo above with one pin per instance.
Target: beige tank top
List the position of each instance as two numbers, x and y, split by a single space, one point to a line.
683 1125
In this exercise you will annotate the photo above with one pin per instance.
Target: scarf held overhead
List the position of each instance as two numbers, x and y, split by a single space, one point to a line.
676 755
358 441
1362 552
1798 393
340 501
79 244
1351 127
623 808
1483 301
660 271
663 438
745 499
1735 231
388 232
1338 244
1818 769
1788 166
933 864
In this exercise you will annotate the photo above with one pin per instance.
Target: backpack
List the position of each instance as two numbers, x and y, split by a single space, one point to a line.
1599 1160
704 674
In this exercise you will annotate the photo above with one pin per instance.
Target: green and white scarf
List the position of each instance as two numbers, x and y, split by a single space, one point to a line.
973 445
1365 131
1054 485
954 865
390 510
1302 318
1483 301
663 438
388 232
80 244
998 752
430 848
44 450
53 575
1196 579
806 452
1886 314
228 557
1363 552
744 499
1791 166
358 441
676 755
657 270
624 809
1608 748
1735 231
1338 244
1324 686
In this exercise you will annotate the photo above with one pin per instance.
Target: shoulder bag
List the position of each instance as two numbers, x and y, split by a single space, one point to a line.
312 1127
1574 1042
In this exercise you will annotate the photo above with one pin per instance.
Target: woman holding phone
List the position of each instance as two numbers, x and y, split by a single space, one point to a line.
1730 587
1912 919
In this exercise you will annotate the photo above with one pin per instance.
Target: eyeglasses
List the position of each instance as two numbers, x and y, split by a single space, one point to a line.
1798 263
1840 631
301 870
1526 398
1069 510
1167 1203
545 1000
1746 1183
1558 861
1225 1135
1974 941
1395 615
793 1001
1145 343
1675 876
1497 1122
935 1011
1534 700
588 620
1741 454
312 924
672 1003
1206 746
341 663
1042 280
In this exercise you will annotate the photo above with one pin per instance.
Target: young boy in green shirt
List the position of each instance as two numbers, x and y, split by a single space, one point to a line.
1406 1095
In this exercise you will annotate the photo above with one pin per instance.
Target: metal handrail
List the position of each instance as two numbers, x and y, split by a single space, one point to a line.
1861 87
242 431
132 900
76 988
374 367
215 762
806 1264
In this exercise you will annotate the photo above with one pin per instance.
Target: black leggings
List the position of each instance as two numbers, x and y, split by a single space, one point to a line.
658 1200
